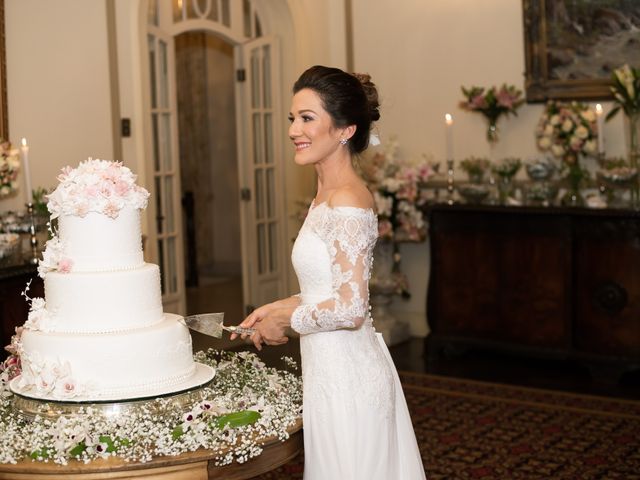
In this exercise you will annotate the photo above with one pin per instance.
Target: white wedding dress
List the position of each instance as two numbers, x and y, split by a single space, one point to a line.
355 417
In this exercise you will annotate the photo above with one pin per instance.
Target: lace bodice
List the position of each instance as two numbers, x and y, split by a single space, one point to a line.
332 257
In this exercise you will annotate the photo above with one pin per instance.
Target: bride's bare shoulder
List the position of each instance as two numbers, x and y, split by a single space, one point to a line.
352 196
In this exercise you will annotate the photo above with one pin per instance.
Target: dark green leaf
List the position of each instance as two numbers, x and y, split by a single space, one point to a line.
78 449
106 439
42 453
237 419
177 432
612 113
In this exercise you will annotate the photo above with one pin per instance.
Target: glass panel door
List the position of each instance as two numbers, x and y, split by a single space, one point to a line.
264 232
165 169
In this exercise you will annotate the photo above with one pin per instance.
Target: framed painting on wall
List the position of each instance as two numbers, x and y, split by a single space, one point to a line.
4 120
573 46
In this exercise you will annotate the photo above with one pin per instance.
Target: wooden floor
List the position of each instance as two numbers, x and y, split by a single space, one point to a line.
412 356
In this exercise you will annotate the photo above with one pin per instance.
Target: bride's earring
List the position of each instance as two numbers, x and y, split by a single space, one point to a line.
343 141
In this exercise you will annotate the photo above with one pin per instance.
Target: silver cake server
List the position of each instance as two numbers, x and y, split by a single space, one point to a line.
212 324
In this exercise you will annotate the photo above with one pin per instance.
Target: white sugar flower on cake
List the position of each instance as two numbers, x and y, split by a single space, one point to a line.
48 377
100 186
53 258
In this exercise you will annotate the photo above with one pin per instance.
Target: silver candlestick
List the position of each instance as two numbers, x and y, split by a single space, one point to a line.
450 182
33 240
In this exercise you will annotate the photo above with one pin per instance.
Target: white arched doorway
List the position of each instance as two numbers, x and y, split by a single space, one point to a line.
259 121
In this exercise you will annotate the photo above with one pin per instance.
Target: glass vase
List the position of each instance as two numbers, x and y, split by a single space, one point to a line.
633 125
505 188
492 131
575 175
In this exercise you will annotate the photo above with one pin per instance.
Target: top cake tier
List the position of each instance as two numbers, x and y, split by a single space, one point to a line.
98 208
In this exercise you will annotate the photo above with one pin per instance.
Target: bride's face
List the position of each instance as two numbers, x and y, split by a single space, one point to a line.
312 131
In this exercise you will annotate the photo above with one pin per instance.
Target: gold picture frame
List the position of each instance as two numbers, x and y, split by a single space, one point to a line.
4 117
547 76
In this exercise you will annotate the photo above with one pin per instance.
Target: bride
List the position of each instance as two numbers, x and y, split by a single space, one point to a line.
356 421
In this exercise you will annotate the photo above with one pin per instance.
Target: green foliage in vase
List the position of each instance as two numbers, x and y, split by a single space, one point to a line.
40 201
507 168
475 166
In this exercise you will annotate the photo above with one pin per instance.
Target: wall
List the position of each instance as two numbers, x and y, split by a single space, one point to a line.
419 53
59 95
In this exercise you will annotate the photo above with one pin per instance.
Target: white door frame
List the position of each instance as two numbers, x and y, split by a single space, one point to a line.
235 36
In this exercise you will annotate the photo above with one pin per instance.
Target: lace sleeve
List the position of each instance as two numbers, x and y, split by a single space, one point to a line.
347 235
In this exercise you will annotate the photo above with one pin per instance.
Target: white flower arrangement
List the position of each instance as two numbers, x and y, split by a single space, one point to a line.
9 168
247 403
38 317
397 189
53 257
567 128
101 186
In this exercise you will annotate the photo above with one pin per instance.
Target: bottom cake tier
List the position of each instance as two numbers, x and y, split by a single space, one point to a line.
147 362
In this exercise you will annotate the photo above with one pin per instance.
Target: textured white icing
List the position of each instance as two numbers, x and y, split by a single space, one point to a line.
103 364
97 242
94 302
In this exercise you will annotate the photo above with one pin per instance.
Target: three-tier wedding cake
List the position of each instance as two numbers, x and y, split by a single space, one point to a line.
100 333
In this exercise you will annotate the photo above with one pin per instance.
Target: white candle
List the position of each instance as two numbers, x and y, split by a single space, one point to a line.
600 124
448 119
27 173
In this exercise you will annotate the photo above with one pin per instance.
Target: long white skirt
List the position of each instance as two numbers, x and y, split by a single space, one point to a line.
356 422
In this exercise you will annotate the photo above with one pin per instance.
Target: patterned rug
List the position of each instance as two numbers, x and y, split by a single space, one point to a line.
477 430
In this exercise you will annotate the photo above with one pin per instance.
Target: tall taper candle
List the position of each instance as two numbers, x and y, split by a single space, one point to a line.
600 124
448 119
27 173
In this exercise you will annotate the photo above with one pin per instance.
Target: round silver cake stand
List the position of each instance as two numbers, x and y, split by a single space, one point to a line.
32 407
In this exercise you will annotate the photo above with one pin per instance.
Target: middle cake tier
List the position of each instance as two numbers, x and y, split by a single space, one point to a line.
101 302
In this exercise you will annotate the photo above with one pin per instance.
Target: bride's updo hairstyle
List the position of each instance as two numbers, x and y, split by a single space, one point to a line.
350 99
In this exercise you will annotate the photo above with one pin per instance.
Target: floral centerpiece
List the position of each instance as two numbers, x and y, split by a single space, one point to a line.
9 168
626 92
246 404
567 131
397 187
492 103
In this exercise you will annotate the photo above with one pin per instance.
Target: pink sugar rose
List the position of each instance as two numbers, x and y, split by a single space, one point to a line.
91 191
112 210
66 387
81 209
65 265
65 173
121 188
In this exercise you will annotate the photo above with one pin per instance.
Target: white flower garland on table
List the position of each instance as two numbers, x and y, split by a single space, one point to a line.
264 401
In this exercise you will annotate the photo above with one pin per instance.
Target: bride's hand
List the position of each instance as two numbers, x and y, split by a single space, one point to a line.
254 317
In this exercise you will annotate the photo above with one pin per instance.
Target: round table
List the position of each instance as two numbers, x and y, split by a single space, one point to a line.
198 465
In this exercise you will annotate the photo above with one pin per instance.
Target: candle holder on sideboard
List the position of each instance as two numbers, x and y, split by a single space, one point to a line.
450 188
33 240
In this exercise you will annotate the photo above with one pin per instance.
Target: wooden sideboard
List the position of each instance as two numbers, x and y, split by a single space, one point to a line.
554 282
13 306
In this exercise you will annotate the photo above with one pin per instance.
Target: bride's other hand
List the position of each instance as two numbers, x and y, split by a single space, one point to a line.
271 330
